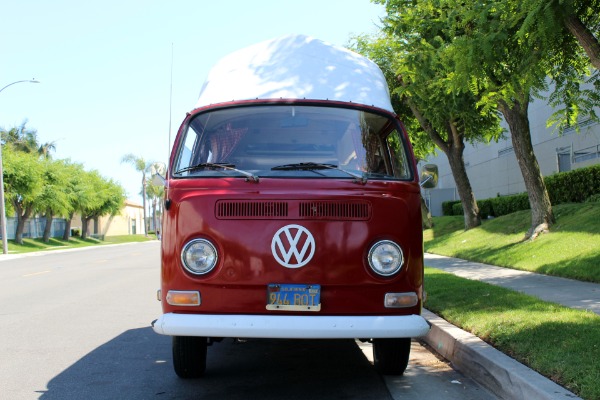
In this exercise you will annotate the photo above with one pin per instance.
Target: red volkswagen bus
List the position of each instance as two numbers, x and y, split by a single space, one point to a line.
292 208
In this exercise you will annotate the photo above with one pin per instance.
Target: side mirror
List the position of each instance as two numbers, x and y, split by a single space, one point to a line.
429 176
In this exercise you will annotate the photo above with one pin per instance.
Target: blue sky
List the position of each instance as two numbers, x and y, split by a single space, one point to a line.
105 67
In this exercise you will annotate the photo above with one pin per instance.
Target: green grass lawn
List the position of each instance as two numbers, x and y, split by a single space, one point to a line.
561 343
571 249
31 245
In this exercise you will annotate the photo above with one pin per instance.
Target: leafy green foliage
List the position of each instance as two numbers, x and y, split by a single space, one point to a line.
23 179
54 198
544 24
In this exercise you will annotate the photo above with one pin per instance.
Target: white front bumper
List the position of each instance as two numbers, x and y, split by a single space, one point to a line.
291 326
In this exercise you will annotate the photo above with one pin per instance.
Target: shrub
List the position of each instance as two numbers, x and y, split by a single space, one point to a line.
457 209
485 208
573 186
509 204
593 198
447 207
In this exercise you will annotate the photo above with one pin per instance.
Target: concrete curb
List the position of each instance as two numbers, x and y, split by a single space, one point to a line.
494 370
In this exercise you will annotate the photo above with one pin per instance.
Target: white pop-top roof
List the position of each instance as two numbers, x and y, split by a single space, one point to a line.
296 67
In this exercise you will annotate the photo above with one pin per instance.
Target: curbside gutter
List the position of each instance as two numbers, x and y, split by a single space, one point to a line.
494 370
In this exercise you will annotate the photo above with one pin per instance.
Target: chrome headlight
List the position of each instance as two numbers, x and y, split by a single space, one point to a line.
199 256
386 258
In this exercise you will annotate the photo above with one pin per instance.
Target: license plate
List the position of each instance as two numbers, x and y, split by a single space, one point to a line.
293 297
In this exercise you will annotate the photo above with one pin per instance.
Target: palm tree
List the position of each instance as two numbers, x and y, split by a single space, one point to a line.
142 166
155 195
45 149
23 139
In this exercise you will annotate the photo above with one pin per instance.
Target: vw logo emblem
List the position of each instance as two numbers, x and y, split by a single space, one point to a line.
293 246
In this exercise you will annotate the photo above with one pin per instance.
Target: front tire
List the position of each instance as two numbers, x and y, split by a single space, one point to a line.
189 356
391 355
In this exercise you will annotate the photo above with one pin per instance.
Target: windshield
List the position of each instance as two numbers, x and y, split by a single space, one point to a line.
291 141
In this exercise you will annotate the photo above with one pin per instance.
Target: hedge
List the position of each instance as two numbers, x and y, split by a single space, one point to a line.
575 186
457 209
486 208
509 204
447 207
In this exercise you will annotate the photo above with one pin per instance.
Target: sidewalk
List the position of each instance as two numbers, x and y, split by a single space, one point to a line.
568 292
496 371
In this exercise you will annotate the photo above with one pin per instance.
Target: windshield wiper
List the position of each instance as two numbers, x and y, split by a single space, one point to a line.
314 166
248 175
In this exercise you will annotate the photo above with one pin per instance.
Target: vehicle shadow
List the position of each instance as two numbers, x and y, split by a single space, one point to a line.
137 365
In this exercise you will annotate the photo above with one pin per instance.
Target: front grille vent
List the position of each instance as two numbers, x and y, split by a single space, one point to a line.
236 209
335 210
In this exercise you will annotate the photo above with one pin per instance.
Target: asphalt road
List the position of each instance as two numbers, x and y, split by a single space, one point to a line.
76 325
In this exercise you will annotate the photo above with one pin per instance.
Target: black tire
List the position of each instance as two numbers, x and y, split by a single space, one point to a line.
391 355
189 356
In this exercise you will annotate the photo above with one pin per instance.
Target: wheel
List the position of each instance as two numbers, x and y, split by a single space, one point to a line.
391 355
189 356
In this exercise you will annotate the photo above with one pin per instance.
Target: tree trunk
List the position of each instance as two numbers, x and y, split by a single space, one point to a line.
541 209
454 152
67 232
84 227
585 37
144 204
22 216
453 148
154 215
48 227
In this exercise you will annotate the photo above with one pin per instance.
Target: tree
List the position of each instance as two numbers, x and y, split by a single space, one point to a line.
549 22
54 198
20 138
381 52
493 63
101 197
23 180
417 53
155 195
77 190
141 165
566 31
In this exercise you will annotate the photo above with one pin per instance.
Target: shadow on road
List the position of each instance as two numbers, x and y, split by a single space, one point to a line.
137 365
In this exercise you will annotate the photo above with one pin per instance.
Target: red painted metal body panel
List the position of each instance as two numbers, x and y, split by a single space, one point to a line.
238 284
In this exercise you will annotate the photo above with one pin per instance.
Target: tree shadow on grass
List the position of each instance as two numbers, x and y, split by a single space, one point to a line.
585 268
573 361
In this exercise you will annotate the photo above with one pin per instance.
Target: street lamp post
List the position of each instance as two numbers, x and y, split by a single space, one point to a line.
2 209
